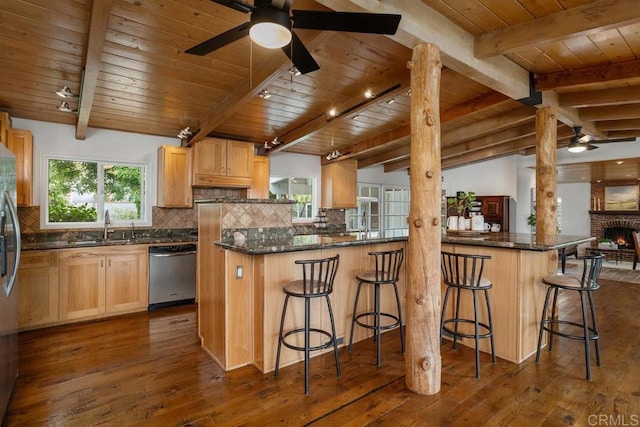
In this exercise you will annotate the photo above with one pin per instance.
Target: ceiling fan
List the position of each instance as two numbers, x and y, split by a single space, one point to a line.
271 25
580 142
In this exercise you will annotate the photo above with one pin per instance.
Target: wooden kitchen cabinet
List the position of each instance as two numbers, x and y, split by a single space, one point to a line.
97 282
5 125
38 289
223 163
339 184
20 143
174 177
260 187
496 210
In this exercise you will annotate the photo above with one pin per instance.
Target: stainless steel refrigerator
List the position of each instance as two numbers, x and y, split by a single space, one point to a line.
9 260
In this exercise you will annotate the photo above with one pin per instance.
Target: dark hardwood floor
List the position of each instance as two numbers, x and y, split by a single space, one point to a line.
148 369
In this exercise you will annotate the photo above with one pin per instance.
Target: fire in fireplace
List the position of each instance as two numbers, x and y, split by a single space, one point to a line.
620 235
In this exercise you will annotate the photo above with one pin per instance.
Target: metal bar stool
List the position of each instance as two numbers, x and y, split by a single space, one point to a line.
584 285
387 271
463 272
317 282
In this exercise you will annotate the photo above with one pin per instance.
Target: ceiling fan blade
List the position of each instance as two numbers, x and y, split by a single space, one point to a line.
605 141
238 5
300 56
220 40
591 147
355 22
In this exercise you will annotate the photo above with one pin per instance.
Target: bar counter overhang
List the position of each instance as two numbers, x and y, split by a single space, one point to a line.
247 332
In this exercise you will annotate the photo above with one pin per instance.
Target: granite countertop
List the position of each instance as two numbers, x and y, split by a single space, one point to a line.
523 241
97 242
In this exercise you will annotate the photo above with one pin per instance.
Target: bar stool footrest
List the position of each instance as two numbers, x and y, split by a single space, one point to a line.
452 333
593 336
314 348
394 325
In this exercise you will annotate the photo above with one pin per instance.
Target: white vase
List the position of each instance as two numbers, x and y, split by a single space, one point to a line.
462 222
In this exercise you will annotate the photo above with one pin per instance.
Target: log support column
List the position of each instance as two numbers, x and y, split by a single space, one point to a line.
546 177
422 356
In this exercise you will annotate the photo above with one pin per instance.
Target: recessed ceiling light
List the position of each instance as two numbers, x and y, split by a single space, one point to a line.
369 94
619 162
333 112
599 180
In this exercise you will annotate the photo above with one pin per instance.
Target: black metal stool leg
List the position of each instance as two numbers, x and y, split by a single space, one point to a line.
444 309
353 318
455 323
554 314
280 338
377 317
542 323
333 331
476 331
493 351
395 288
585 320
307 344
594 322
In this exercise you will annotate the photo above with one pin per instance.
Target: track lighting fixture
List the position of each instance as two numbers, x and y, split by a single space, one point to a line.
185 133
264 94
294 71
390 101
65 93
333 155
66 108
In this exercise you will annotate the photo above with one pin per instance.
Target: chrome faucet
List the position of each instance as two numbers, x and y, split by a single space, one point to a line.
107 222
133 231
364 224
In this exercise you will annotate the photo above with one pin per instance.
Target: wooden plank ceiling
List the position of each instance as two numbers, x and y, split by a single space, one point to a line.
126 59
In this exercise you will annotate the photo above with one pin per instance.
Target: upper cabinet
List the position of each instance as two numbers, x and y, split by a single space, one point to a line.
260 187
174 177
5 125
222 163
20 143
340 184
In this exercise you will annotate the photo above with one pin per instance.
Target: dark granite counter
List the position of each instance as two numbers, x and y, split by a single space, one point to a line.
521 241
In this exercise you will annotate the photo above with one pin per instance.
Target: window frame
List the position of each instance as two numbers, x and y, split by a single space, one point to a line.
382 214
146 207
314 194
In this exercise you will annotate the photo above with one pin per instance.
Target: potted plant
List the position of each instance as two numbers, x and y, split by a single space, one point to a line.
462 201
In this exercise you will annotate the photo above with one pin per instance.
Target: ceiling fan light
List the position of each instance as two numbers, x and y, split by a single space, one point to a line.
575 146
270 28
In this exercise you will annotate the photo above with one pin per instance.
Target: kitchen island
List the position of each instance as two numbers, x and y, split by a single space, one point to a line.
249 299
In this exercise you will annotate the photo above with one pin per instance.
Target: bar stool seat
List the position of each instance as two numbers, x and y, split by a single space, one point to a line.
317 282
387 272
584 284
463 272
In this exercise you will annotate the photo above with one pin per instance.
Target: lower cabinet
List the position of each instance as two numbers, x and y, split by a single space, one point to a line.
101 281
38 289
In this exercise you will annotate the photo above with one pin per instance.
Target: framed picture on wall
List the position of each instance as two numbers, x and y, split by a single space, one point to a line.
621 198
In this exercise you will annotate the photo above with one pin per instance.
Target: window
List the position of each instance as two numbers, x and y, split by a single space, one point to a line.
384 208
298 189
79 192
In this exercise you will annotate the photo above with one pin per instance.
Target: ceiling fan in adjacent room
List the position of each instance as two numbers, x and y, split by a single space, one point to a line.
581 142
271 25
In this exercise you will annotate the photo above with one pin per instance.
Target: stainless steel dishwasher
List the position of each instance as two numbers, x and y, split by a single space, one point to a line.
172 275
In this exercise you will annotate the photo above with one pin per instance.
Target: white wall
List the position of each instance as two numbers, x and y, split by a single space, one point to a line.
100 144
376 175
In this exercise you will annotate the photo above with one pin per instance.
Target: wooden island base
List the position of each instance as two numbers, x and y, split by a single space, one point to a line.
239 317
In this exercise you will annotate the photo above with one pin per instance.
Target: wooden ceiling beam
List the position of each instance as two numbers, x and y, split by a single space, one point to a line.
609 125
489 125
463 157
422 24
97 35
474 105
354 106
623 134
587 75
398 153
578 21
600 98
614 112
497 138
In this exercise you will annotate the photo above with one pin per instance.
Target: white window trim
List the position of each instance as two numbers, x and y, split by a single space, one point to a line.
146 220
314 196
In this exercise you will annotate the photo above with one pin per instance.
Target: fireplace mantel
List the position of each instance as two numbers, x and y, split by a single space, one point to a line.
615 213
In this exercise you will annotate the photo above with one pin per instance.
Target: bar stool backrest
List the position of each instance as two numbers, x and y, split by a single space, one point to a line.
591 266
318 275
388 265
463 270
